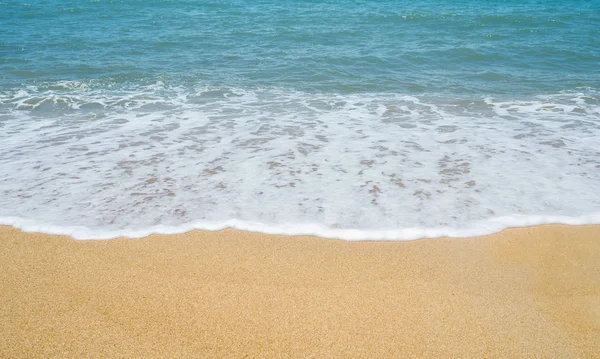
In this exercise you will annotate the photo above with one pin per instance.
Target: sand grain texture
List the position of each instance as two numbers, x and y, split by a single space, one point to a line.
532 292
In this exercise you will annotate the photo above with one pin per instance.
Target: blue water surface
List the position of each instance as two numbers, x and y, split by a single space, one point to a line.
466 47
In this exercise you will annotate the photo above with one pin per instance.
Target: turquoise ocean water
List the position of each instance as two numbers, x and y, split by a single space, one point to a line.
349 119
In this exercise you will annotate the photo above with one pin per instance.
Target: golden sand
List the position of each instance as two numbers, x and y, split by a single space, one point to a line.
532 292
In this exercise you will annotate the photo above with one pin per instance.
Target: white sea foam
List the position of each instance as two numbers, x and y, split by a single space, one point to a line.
95 162
480 228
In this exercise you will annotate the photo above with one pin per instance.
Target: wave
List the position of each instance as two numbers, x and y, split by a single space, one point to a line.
95 161
482 228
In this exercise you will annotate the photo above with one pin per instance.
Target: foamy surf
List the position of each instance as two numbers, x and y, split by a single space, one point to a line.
481 228
97 162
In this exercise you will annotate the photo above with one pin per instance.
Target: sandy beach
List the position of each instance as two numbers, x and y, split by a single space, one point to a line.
531 292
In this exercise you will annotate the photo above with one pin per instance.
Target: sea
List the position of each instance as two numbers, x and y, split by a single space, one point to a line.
350 119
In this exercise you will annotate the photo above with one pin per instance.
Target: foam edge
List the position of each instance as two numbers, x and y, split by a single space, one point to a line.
480 228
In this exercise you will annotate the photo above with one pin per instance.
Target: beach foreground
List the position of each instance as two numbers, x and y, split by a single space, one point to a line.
531 292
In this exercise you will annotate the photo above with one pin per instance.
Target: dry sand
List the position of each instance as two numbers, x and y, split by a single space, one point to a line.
532 292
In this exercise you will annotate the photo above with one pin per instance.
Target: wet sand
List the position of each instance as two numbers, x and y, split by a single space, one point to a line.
531 292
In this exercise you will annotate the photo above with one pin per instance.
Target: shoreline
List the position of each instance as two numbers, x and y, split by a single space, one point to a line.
522 292
479 229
